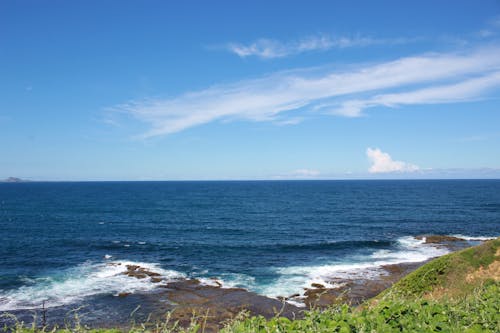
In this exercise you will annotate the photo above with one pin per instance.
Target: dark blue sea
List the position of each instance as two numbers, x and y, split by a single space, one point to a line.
57 239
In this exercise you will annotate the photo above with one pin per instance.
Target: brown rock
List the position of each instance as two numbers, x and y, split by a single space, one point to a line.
114 264
437 239
141 273
216 305
137 275
216 281
132 267
318 286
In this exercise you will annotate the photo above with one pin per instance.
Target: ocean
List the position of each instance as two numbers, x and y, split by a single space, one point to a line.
61 242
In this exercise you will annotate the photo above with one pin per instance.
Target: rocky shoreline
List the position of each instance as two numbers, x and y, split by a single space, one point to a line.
216 304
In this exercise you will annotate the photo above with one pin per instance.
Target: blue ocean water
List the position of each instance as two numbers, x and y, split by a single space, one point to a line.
271 237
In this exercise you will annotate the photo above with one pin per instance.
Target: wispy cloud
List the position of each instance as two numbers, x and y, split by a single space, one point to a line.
305 173
428 78
289 121
271 48
299 174
490 29
464 91
479 137
494 22
383 163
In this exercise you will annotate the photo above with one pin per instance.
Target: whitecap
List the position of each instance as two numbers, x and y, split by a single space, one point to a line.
295 279
474 238
211 282
296 303
409 250
230 280
87 279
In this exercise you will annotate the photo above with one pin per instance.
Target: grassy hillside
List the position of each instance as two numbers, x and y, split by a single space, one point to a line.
477 313
459 292
450 276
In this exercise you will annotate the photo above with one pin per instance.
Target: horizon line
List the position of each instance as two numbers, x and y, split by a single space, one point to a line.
4 181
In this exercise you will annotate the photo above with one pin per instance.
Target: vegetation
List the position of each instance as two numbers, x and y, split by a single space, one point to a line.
450 276
478 312
459 292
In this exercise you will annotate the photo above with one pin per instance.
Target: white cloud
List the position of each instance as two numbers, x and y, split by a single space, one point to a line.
495 22
270 48
431 78
469 89
383 163
485 33
290 121
299 174
306 173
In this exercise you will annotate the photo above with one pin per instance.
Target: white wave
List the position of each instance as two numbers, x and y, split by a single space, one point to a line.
411 242
474 238
410 250
211 282
296 303
294 279
85 280
237 280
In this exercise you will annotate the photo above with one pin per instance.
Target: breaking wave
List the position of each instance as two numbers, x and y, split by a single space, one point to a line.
87 279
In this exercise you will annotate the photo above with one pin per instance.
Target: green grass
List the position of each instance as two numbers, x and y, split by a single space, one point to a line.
447 272
478 312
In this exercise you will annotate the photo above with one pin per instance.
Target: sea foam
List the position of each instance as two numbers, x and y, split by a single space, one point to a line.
87 279
294 279
474 238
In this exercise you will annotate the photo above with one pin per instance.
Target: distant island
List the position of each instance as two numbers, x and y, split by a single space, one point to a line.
14 180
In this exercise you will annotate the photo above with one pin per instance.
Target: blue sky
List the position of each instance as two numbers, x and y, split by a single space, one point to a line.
154 90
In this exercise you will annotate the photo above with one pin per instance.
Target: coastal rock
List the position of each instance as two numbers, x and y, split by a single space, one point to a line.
439 239
216 281
114 264
350 291
318 286
217 305
213 304
141 273
357 289
396 271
